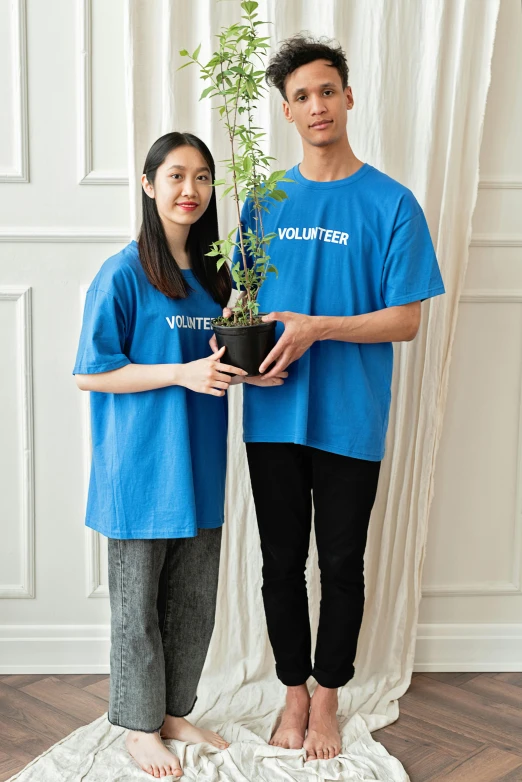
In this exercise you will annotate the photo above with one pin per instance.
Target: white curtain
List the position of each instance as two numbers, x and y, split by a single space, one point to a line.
420 73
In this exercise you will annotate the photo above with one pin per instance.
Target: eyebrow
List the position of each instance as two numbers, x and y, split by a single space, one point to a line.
183 168
322 86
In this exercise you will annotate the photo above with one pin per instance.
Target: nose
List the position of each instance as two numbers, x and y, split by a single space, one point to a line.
317 106
189 188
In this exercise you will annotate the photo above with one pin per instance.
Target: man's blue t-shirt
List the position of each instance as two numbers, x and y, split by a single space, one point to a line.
346 247
158 457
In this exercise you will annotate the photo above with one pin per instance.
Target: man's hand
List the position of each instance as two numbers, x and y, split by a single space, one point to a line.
263 381
298 336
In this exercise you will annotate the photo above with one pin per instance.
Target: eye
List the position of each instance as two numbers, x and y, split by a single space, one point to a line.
203 176
173 176
299 98
329 91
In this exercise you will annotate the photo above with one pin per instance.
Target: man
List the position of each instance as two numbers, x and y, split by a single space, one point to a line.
355 260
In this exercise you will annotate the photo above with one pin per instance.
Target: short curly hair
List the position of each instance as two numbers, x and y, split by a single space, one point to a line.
300 50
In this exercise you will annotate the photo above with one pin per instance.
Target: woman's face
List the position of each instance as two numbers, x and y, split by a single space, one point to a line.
182 187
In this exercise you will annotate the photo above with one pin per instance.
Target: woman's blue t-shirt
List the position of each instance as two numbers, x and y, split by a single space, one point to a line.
158 457
345 247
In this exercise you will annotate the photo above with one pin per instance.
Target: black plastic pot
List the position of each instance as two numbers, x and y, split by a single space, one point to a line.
247 346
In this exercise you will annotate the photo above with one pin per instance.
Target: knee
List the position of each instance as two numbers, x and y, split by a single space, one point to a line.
342 567
283 566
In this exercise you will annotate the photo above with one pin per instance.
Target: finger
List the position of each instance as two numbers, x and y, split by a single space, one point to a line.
220 384
215 392
274 316
273 355
264 383
223 378
227 312
213 344
281 365
218 354
231 370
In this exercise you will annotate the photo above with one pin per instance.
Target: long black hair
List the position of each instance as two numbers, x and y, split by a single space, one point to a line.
158 262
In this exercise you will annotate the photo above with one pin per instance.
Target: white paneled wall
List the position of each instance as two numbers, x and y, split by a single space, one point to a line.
64 91
471 614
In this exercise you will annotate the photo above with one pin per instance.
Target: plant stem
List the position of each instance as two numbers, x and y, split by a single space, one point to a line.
231 134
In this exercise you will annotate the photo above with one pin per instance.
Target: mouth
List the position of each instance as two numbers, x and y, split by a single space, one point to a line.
321 125
187 206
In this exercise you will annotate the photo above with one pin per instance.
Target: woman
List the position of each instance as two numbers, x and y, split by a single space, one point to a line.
159 430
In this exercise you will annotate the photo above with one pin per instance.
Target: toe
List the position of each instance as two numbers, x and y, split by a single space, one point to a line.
311 756
320 754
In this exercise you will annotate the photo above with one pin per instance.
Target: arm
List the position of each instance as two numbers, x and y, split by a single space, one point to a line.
392 324
205 376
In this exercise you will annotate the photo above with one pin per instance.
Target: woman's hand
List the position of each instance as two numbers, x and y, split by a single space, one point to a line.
207 375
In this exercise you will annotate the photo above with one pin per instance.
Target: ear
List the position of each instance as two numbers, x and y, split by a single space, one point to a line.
287 112
349 98
147 187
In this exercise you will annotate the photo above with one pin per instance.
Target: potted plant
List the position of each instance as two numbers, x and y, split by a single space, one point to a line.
237 82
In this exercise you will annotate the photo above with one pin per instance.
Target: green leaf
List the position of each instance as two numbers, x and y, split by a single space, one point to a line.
185 66
220 263
206 92
196 53
183 52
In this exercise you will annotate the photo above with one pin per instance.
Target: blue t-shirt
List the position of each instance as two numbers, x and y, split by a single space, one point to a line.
158 457
346 247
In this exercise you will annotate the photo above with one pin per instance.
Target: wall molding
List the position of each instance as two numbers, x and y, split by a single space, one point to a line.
514 585
496 240
86 173
64 234
22 295
93 539
85 648
468 647
500 183
54 649
20 118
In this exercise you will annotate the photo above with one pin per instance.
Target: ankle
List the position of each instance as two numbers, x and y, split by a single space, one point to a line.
326 695
298 694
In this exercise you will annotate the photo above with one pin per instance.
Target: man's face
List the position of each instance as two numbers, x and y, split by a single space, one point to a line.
317 103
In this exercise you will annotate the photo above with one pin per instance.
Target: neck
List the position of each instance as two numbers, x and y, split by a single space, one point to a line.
177 236
328 163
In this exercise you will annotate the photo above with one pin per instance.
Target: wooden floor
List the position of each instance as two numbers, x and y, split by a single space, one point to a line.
455 727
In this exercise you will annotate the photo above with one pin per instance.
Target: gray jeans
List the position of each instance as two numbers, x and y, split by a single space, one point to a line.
163 602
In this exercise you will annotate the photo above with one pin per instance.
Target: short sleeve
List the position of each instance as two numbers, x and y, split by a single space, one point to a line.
102 338
411 272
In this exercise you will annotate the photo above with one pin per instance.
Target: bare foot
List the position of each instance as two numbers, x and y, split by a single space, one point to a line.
292 728
151 754
323 740
181 729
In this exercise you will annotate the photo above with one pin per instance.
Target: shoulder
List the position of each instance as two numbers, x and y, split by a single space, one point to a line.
119 274
392 195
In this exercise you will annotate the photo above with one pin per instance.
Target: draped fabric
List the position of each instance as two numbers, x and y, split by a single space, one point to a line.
420 73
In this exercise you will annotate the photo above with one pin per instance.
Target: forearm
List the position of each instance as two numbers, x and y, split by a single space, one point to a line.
132 378
393 324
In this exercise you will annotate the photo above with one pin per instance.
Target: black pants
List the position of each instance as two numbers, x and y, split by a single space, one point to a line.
284 477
